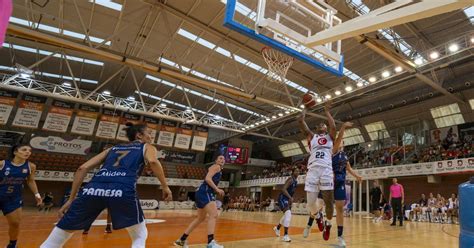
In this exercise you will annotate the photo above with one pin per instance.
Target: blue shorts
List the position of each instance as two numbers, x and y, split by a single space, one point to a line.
202 198
340 191
121 201
283 202
9 204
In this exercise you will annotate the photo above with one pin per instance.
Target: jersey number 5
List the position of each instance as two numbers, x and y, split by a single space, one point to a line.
122 154
319 155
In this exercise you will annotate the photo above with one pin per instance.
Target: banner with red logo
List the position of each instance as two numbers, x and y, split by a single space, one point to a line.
127 117
59 116
153 125
29 111
454 166
167 132
200 138
85 120
183 136
7 101
108 124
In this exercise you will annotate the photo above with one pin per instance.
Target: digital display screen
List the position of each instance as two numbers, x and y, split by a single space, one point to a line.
236 155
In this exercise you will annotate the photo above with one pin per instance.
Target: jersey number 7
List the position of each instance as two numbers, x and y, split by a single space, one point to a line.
122 154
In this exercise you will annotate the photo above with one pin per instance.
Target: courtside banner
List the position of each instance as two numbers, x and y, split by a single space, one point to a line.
153 125
60 145
59 116
108 124
167 132
127 117
7 101
200 138
85 120
29 111
183 136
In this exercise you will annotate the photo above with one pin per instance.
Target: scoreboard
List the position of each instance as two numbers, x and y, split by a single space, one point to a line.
236 155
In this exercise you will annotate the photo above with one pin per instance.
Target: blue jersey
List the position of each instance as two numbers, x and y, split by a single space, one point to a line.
339 162
206 188
123 165
12 178
291 189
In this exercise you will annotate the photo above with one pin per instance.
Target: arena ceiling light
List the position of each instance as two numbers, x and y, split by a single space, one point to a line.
106 92
328 96
371 79
398 69
131 98
66 84
418 61
472 40
359 84
47 53
453 48
348 88
319 99
337 92
386 74
108 4
163 105
434 55
57 30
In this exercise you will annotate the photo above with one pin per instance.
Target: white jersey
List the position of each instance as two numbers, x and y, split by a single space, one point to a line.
320 151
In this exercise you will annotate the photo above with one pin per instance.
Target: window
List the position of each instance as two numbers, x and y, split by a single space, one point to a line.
377 130
305 144
57 30
447 115
290 149
469 13
353 136
408 139
108 4
472 103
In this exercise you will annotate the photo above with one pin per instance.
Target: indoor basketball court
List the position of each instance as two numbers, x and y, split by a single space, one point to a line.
236 123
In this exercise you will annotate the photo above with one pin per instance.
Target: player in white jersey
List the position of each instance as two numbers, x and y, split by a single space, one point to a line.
320 175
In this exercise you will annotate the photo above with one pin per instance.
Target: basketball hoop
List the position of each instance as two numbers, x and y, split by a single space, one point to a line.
278 64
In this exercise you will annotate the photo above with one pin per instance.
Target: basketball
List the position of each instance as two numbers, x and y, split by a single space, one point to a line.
308 100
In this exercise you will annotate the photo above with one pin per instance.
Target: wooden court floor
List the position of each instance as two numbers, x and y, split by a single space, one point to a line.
242 229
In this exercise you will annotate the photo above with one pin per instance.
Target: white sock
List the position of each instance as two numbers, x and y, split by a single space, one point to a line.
287 218
57 238
138 233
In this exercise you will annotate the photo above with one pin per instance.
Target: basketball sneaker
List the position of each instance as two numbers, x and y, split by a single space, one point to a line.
214 244
341 242
286 238
306 231
277 231
108 229
326 230
182 243
319 220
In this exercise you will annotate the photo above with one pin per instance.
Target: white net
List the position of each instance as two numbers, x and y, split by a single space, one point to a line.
278 64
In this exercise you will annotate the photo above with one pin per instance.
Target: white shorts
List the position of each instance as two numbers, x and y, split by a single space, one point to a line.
319 178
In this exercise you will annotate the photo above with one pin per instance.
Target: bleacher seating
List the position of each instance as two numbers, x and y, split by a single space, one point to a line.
163 205
191 172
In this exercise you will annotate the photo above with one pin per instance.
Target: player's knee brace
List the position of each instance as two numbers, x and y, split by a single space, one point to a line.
287 218
138 233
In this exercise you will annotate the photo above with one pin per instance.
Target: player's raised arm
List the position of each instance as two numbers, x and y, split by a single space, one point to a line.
151 158
331 122
303 126
340 136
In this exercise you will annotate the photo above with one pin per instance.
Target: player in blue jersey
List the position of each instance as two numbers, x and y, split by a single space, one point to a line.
13 173
285 200
112 187
341 165
206 205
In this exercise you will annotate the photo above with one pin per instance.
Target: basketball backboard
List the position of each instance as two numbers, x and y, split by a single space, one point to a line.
310 31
